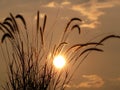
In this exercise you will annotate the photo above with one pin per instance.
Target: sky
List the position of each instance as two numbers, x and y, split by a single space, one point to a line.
100 71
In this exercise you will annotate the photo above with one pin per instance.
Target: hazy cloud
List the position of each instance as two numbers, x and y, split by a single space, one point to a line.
112 83
90 25
66 3
90 9
90 12
90 81
117 79
51 4
54 4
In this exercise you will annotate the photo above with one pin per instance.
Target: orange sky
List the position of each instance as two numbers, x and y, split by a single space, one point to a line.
100 71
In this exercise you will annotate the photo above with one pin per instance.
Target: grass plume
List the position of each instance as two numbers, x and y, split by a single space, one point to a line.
30 64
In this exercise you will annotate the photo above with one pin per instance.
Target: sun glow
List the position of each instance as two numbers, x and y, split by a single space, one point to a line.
59 61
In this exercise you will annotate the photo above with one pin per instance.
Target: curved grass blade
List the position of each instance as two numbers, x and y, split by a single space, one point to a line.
77 19
2 29
38 20
76 26
22 19
62 43
108 37
91 49
73 19
14 23
8 24
45 18
8 19
41 33
6 35
83 45
6 29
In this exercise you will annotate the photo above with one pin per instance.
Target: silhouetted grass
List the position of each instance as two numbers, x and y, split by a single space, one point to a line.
30 62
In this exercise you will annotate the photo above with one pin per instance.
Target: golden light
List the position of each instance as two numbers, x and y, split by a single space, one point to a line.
59 61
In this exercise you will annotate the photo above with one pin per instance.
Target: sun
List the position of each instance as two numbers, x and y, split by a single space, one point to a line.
59 61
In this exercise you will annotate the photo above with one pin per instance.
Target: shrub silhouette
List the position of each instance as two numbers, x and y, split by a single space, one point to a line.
30 60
